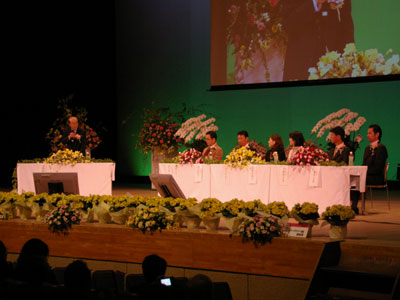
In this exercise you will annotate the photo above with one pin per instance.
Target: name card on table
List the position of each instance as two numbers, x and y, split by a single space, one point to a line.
296 230
251 175
314 180
284 175
198 173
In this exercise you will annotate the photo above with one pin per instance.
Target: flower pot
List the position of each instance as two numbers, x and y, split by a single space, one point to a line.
179 220
233 223
87 216
211 224
120 217
102 212
192 222
25 212
338 232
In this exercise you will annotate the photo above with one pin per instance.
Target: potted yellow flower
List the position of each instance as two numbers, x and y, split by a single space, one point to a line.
306 213
233 214
338 216
277 209
210 212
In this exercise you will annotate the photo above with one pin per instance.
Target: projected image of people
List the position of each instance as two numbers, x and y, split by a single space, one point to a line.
262 41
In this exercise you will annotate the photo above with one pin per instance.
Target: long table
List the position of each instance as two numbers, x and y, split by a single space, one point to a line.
324 185
93 178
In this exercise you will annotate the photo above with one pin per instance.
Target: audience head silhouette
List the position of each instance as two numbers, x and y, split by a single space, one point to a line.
200 287
153 267
32 263
77 279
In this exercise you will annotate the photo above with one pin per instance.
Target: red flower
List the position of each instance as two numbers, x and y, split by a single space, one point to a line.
161 128
161 141
153 134
252 19
273 3
169 133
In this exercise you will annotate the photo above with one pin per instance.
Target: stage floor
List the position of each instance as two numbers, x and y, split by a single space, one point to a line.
379 224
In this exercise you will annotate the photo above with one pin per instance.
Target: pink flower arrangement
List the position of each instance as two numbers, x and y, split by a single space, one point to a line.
309 156
260 229
191 156
62 218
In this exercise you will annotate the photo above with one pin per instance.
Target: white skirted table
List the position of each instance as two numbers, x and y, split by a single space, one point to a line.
93 178
323 185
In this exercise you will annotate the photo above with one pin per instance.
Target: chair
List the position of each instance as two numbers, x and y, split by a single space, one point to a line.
381 186
108 280
133 282
221 291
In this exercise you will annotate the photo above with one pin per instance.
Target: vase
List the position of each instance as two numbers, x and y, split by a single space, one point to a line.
211 224
87 216
192 222
233 223
157 156
338 232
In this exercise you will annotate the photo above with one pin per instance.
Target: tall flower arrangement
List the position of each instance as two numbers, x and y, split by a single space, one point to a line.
196 128
254 25
353 63
350 121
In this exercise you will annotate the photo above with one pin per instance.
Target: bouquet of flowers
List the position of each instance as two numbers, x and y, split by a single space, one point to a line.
260 229
253 208
254 25
309 156
191 156
342 118
259 148
242 157
66 157
62 218
338 215
233 208
353 63
305 213
151 219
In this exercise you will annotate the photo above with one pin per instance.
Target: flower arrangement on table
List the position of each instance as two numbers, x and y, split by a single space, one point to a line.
353 63
338 215
62 218
305 213
210 208
242 157
253 208
342 118
66 157
254 26
309 156
191 156
260 229
233 213
151 219
259 148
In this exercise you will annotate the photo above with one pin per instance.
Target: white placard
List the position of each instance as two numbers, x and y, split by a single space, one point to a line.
198 173
283 175
314 180
297 230
251 175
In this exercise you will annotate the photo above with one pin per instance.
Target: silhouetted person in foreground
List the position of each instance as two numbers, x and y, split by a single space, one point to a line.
199 287
32 266
78 281
5 267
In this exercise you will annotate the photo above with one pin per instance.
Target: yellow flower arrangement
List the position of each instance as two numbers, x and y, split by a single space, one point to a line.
232 208
151 219
305 211
210 208
242 157
338 215
187 203
66 157
252 208
276 208
354 64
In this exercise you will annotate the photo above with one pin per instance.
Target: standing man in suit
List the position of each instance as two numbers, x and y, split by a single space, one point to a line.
74 137
313 28
340 153
212 151
375 156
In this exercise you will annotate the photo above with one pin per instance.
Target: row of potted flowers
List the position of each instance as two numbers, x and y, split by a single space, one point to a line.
252 219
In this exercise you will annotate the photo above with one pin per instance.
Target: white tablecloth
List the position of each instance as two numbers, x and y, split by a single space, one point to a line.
325 186
93 178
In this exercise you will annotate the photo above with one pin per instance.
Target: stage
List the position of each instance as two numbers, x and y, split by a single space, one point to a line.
283 269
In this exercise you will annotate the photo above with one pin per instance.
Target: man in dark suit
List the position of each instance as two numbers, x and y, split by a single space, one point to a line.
313 28
375 156
339 153
74 137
